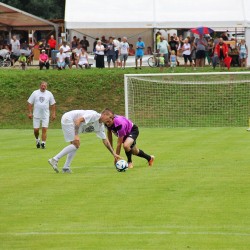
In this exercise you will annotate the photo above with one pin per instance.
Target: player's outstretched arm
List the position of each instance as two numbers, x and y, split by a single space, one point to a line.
111 150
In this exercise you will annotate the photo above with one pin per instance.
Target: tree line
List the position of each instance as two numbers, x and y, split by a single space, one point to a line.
46 9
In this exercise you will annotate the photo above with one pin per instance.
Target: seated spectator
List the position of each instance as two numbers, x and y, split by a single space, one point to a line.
31 55
60 59
83 59
43 60
149 51
131 51
67 51
75 55
22 61
220 52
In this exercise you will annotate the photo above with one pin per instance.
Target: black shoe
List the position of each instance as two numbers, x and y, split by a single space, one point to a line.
43 145
38 145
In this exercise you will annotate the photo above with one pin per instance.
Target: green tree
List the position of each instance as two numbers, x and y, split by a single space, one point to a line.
47 9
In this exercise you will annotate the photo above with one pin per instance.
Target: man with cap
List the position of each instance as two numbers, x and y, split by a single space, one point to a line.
140 46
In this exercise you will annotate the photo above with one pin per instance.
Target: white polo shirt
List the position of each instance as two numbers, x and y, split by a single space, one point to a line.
41 102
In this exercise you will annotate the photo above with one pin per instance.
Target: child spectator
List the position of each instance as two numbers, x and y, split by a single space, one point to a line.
22 60
161 62
173 60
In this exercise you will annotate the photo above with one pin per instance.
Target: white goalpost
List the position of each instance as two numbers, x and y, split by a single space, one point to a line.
219 99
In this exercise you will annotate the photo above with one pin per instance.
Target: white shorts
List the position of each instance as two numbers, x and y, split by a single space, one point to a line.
68 128
37 122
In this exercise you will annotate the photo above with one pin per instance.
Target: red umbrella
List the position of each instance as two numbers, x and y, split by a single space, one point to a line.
227 61
202 30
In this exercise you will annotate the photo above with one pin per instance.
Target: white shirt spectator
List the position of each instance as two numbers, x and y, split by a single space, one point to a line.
61 57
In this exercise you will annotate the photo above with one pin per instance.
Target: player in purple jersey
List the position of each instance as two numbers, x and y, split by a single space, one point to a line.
127 133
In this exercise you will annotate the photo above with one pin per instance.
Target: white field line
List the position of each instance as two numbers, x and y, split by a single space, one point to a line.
125 233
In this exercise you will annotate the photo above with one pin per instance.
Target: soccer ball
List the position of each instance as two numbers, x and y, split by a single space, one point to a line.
121 165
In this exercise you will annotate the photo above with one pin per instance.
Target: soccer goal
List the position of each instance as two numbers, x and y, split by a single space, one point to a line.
218 99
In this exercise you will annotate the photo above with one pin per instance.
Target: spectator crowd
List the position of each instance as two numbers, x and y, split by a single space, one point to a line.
195 52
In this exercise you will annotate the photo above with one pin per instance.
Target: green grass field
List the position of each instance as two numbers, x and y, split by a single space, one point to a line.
196 196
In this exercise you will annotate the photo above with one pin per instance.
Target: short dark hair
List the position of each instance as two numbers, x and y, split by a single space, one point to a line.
107 110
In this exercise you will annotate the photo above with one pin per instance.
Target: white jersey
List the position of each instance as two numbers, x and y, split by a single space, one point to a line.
41 102
91 123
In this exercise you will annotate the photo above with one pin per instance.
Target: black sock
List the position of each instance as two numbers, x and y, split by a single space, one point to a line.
129 155
143 155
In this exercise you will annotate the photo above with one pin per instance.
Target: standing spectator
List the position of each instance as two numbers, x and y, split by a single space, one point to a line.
110 52
224 36
174 46
41 100
15 49
44 45
85 43
67 51
173 60
140 46
117 45
176 38
200 45
74 43
43 60
186 52
243 53
123 51
157 38
94 44
99 50
163 48
193 52
52 43
60 59
210 50
220 52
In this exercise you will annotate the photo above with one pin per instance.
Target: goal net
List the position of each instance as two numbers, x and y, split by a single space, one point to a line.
188 100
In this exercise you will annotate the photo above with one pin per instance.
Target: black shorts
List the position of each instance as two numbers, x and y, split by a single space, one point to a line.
200 54
133 134
187 58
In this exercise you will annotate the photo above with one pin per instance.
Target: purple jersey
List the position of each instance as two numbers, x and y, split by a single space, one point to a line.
122 126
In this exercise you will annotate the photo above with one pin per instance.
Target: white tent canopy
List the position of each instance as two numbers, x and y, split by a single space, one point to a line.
89 17
84 14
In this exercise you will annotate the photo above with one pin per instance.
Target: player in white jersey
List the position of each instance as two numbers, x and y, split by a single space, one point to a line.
41 100
80 121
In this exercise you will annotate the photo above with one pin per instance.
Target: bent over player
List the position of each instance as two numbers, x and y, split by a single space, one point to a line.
80 121
127 133
41 100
